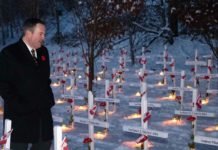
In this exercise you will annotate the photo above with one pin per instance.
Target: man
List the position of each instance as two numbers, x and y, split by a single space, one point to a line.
25 88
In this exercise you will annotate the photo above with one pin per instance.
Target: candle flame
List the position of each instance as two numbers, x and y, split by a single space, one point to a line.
138 94
98 78
67 128
55 84
211 128
102 113
205 101
172 96
188 86
161 73
59 101
81 108
173 121
133 116
133 144
100 135
79 76
68 88
118 80
160 84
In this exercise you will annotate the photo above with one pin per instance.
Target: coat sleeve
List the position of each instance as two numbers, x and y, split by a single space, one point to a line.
4 75
12 103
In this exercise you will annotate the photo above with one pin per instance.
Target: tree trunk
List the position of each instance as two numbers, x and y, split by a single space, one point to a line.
163 12
173 17
11 30
91 69
57 19
131 45
58 26
3 35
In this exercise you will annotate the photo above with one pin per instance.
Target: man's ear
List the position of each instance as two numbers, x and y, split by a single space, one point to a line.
28 32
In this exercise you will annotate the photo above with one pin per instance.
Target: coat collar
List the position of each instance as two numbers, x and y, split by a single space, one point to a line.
25 52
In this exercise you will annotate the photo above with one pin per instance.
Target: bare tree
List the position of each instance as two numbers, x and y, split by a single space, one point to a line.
99 23
200 18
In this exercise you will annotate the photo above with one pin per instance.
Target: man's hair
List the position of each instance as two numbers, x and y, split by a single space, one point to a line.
30 23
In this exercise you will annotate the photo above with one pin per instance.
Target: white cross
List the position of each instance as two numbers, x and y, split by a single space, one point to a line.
194 113
108 89
91 121
195 63
144 123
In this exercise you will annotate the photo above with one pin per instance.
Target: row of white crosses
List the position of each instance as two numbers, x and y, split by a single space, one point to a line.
145 116
104 60
143 72
166 62
64 64
108 91
123 59
143 59
71 98
209 75
75 69
60 62
193 117
195 63
119 73
181 89
73 78
62 81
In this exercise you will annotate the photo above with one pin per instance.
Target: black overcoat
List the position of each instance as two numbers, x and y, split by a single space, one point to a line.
25 89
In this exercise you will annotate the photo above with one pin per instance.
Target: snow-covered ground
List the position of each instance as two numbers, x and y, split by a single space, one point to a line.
117 139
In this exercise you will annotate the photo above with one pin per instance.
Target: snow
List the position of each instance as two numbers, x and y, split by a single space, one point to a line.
179 136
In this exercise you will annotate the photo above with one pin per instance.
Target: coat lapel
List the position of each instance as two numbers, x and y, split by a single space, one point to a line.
25 53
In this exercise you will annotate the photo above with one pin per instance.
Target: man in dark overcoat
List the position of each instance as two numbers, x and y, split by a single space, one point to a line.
25 88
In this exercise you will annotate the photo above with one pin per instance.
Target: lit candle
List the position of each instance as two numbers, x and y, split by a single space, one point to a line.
133 116
101 135
138 94
67 128
98 78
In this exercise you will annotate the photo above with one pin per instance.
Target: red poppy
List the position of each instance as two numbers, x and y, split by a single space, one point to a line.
43 58
112 75
172 76
171 65
70 100
191 118
87 140
206 77
178 98
102 104
165 69
63 81
183 77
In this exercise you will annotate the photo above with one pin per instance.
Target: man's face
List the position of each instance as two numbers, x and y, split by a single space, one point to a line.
37 36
